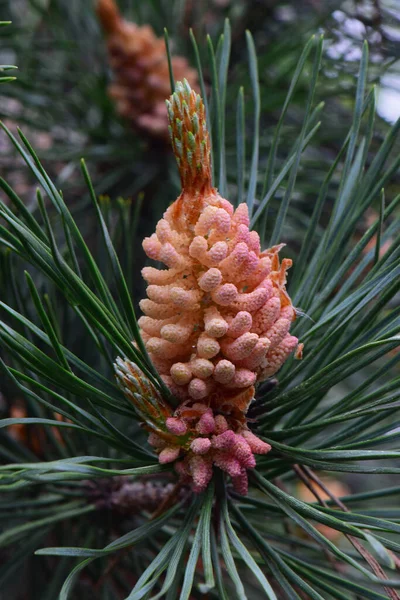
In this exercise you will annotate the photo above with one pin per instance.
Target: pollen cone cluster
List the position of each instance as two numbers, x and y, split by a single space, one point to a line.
141 76
218 316
195 437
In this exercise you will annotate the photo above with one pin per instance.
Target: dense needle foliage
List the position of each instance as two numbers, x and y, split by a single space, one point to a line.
91 501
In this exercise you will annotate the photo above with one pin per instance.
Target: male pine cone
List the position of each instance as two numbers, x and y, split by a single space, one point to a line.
217 319
141 75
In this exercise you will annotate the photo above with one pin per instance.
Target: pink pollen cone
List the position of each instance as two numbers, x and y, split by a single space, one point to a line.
168 455
176 426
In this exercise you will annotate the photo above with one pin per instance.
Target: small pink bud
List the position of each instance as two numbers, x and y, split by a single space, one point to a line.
241 323
153 275
257 445
225 440
158 293
277 356
152 247
181 373
278 331
234 263
183 299
267 315
241 215
168 455
200 445
206 424
198 388
177 334
226 205
215 324
252 301
210 279
202 368
222 221
207 347
169 256
254 242
157 311
205 221
162 348
218 252
244 378
163 230
227 463
224 371
201 471
198 247
225 294
241 347
176 426
150 326
258 354
244 453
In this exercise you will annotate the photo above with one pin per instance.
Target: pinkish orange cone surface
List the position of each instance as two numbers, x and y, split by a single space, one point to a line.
217 319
